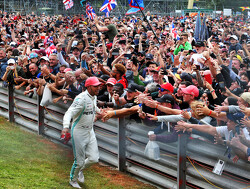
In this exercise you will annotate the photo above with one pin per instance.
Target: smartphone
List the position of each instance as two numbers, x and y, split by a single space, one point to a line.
119 35
81 25
213 55
91 48
198 67
42 37
164 72
222 86
128 55
28 25
116 52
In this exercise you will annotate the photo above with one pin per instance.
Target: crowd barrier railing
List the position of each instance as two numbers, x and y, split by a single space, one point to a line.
187 163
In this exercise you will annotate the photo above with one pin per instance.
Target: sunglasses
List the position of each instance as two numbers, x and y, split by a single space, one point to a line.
162 90
141 55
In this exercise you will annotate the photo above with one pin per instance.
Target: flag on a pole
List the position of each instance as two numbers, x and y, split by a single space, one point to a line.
107 6
90 12
204 30
135 8
133 4
132 11
68 4
82 2
197 32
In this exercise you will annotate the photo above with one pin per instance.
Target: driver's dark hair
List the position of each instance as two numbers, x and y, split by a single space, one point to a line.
119 85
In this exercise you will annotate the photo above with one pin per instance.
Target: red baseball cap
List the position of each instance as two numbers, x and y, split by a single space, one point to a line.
92 81
67 70
192 90
168 87
111 81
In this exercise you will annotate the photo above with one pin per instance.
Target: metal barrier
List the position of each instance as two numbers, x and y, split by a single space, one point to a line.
121 143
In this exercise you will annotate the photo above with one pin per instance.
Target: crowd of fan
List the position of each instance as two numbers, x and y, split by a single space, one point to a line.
170 83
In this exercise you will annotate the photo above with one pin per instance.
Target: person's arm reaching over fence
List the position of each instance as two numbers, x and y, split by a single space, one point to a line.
120 113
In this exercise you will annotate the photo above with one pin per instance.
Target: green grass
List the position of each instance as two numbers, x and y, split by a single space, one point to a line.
30 161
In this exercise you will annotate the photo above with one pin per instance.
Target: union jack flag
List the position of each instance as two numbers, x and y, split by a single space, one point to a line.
108 5
174 32
90 12
68 4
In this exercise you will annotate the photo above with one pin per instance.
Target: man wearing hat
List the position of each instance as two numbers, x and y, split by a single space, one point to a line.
165 100
141 61
13 71
44 60
108 95
130 107
198 58
147 74
84 143
223 53
33 58
234 44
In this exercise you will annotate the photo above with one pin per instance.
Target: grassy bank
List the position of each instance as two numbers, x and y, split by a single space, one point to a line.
30 161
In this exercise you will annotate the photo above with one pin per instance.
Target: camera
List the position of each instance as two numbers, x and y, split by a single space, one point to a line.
164 72
213 55
128 55
198 67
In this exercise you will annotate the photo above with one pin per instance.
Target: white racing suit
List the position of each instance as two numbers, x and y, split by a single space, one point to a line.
84 143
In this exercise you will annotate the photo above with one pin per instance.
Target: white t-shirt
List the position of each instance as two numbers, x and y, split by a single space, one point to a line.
194 59
223 131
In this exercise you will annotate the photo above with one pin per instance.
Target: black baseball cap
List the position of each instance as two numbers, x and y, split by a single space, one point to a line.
133 87
142 52
75 47
166 98
152 62
199 44
149 56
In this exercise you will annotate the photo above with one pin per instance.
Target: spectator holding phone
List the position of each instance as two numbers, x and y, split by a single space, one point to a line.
13 72
182 44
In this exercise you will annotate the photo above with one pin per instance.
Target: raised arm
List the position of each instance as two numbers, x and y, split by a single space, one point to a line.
100 28
182 125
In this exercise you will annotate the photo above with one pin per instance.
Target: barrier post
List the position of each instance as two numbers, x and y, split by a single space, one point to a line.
181 167
11 102
40 116
121 144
